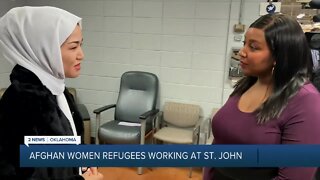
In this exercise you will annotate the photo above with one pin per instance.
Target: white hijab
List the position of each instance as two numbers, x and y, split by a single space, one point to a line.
32 37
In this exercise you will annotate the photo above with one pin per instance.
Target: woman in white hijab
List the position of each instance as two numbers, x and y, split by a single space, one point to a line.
44 45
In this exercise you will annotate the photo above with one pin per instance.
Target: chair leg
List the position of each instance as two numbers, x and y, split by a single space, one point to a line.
190 173
97 128
140 170
142 133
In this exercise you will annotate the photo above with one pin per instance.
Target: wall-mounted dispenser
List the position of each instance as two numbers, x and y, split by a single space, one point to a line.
235 72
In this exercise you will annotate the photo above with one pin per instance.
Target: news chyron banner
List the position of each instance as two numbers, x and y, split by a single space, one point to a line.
64 153
52 140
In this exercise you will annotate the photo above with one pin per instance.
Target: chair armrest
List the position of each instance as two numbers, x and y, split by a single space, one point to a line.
205 130
198 124
208 130
84 112
104 108
158 121
148 114
143 117
197 130
195 135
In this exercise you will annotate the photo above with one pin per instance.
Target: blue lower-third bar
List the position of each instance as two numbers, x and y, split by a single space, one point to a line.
169 155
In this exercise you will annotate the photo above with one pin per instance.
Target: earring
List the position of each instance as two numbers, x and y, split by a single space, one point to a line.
272 70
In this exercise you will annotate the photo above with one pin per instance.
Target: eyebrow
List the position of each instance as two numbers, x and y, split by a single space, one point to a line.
252 41
78 42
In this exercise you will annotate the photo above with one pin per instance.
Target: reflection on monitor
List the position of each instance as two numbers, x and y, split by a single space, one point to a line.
303 1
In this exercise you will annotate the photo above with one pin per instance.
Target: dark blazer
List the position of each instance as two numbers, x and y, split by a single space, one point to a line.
29 108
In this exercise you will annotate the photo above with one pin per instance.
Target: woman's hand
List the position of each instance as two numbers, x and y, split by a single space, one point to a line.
92 174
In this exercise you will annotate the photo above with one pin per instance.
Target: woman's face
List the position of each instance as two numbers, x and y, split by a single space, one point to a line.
256 59
72 54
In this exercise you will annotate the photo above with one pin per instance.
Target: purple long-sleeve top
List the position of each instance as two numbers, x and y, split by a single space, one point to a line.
299 123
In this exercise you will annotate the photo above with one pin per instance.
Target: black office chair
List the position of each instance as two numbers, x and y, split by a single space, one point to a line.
314 4
135 111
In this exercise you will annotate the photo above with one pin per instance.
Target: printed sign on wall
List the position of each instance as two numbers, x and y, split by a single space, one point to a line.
269 8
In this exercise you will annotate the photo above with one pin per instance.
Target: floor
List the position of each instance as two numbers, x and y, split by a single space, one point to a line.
151 174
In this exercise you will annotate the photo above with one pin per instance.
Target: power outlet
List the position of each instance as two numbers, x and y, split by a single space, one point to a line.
237 37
